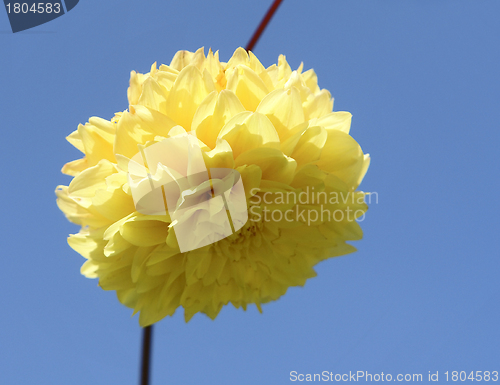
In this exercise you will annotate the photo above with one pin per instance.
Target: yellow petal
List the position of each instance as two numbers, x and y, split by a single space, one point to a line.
139 262
273 163
214 112
309 175
255 64
284 110
311 80
186 95
77 210
181 59
220 157
212 64
88 246
318 105
89 269
247 85
165 77
284 71
343 157
161 253
217 263
247 131
117 279
198 58
288 145
128 297
141 231
271 74
138 126
153 96
75 167
340 120
202 119
240 56
297 82
116 244
309 146
197 265
114 204
251 176
85 184
364 169
75 139
208 82
135 88
97 138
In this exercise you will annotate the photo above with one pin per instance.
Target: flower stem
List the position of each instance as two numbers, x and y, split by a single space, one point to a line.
263 24
146 354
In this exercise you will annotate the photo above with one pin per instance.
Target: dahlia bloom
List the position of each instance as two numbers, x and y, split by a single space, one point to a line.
298 165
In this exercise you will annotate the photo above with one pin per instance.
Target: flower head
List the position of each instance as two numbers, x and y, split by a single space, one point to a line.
290 163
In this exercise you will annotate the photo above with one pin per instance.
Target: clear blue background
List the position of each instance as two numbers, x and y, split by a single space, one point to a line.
422 293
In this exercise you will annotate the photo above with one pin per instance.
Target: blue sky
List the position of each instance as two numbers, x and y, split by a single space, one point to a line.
421 293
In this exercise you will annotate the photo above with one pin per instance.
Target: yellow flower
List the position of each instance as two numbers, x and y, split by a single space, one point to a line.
298 165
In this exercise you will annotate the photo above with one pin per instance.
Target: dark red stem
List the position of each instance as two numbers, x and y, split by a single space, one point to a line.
263 24
146 354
